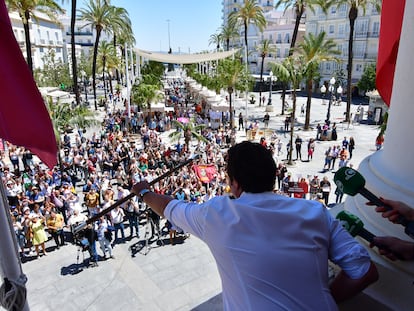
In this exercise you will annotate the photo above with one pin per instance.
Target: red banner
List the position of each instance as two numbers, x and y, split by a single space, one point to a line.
205 173
391 23
24 119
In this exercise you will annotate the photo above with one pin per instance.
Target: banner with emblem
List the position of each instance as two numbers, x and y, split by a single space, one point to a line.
205 172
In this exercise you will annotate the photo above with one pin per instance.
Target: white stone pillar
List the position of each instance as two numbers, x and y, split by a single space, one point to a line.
390 173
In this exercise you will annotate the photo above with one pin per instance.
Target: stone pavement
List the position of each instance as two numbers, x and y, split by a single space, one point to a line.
180 277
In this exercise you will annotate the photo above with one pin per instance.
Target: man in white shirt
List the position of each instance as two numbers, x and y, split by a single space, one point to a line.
271 251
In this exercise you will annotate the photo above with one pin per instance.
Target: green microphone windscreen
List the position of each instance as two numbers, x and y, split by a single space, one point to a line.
350 222
349 181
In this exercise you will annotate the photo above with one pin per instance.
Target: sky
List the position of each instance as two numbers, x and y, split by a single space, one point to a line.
191 23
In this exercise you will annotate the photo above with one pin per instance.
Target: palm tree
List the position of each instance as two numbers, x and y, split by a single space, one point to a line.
314 50
26 10
291 70
105 51
145 94
228 32
264 49
100 15
230 73
190 130
122 34
354 6
300 7
215 39
250 12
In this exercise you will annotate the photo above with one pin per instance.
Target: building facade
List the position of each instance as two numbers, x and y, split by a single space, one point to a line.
336 25
45 35
279 32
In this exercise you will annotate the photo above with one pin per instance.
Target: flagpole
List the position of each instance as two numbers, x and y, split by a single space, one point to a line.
10 265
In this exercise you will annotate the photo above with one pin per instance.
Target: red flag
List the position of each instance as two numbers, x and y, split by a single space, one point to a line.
205 173
24 119
392 13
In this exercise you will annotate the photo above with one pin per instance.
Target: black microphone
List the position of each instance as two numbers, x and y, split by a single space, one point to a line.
354 225
351 182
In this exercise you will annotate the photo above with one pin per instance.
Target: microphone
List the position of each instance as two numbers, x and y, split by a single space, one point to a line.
351 182
354 225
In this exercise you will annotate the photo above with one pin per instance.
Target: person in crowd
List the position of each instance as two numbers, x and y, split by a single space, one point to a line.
311 148
314 187
298 147
241 121
266 119
379 141
351 146
325 187
393 247
117 217
288 282
55 224
37 226
104 236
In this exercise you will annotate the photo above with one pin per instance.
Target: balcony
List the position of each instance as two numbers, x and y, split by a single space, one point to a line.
374 34
80 33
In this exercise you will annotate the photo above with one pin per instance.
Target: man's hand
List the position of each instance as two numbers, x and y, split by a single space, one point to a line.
136 189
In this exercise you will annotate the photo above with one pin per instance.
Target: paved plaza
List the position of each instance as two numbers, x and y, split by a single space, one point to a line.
174 277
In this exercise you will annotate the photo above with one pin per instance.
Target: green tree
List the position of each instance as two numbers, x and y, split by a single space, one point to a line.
189 129
228 32
354 7
314 50
265 48
250 12
215 39
64 117
26 9
144 94
230 73
106 52
367 82
300 7
292 70
101 15
54 73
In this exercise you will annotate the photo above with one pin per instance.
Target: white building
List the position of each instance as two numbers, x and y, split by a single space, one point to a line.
336 25
45 35
279 31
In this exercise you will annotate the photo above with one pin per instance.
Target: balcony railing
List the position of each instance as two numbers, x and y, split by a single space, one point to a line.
80 33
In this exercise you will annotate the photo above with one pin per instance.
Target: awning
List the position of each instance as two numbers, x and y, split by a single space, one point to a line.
184 58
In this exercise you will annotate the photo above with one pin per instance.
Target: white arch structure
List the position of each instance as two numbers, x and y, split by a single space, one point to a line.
184 58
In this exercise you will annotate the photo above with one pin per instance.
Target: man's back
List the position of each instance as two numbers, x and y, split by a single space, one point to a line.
271 251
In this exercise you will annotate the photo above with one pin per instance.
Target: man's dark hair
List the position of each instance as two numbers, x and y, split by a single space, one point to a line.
252 166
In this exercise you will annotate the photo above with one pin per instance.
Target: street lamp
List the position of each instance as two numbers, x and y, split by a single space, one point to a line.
331 89
85 81
271 78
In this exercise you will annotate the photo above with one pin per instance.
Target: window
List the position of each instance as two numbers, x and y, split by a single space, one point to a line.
41 49
341 29
358 68
321 29
279 38
361 27
375 28
331 29
287 38
277 52
328 66
286 52
342 10
333 9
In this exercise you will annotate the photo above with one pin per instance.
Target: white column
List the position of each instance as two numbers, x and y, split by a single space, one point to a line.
390 173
